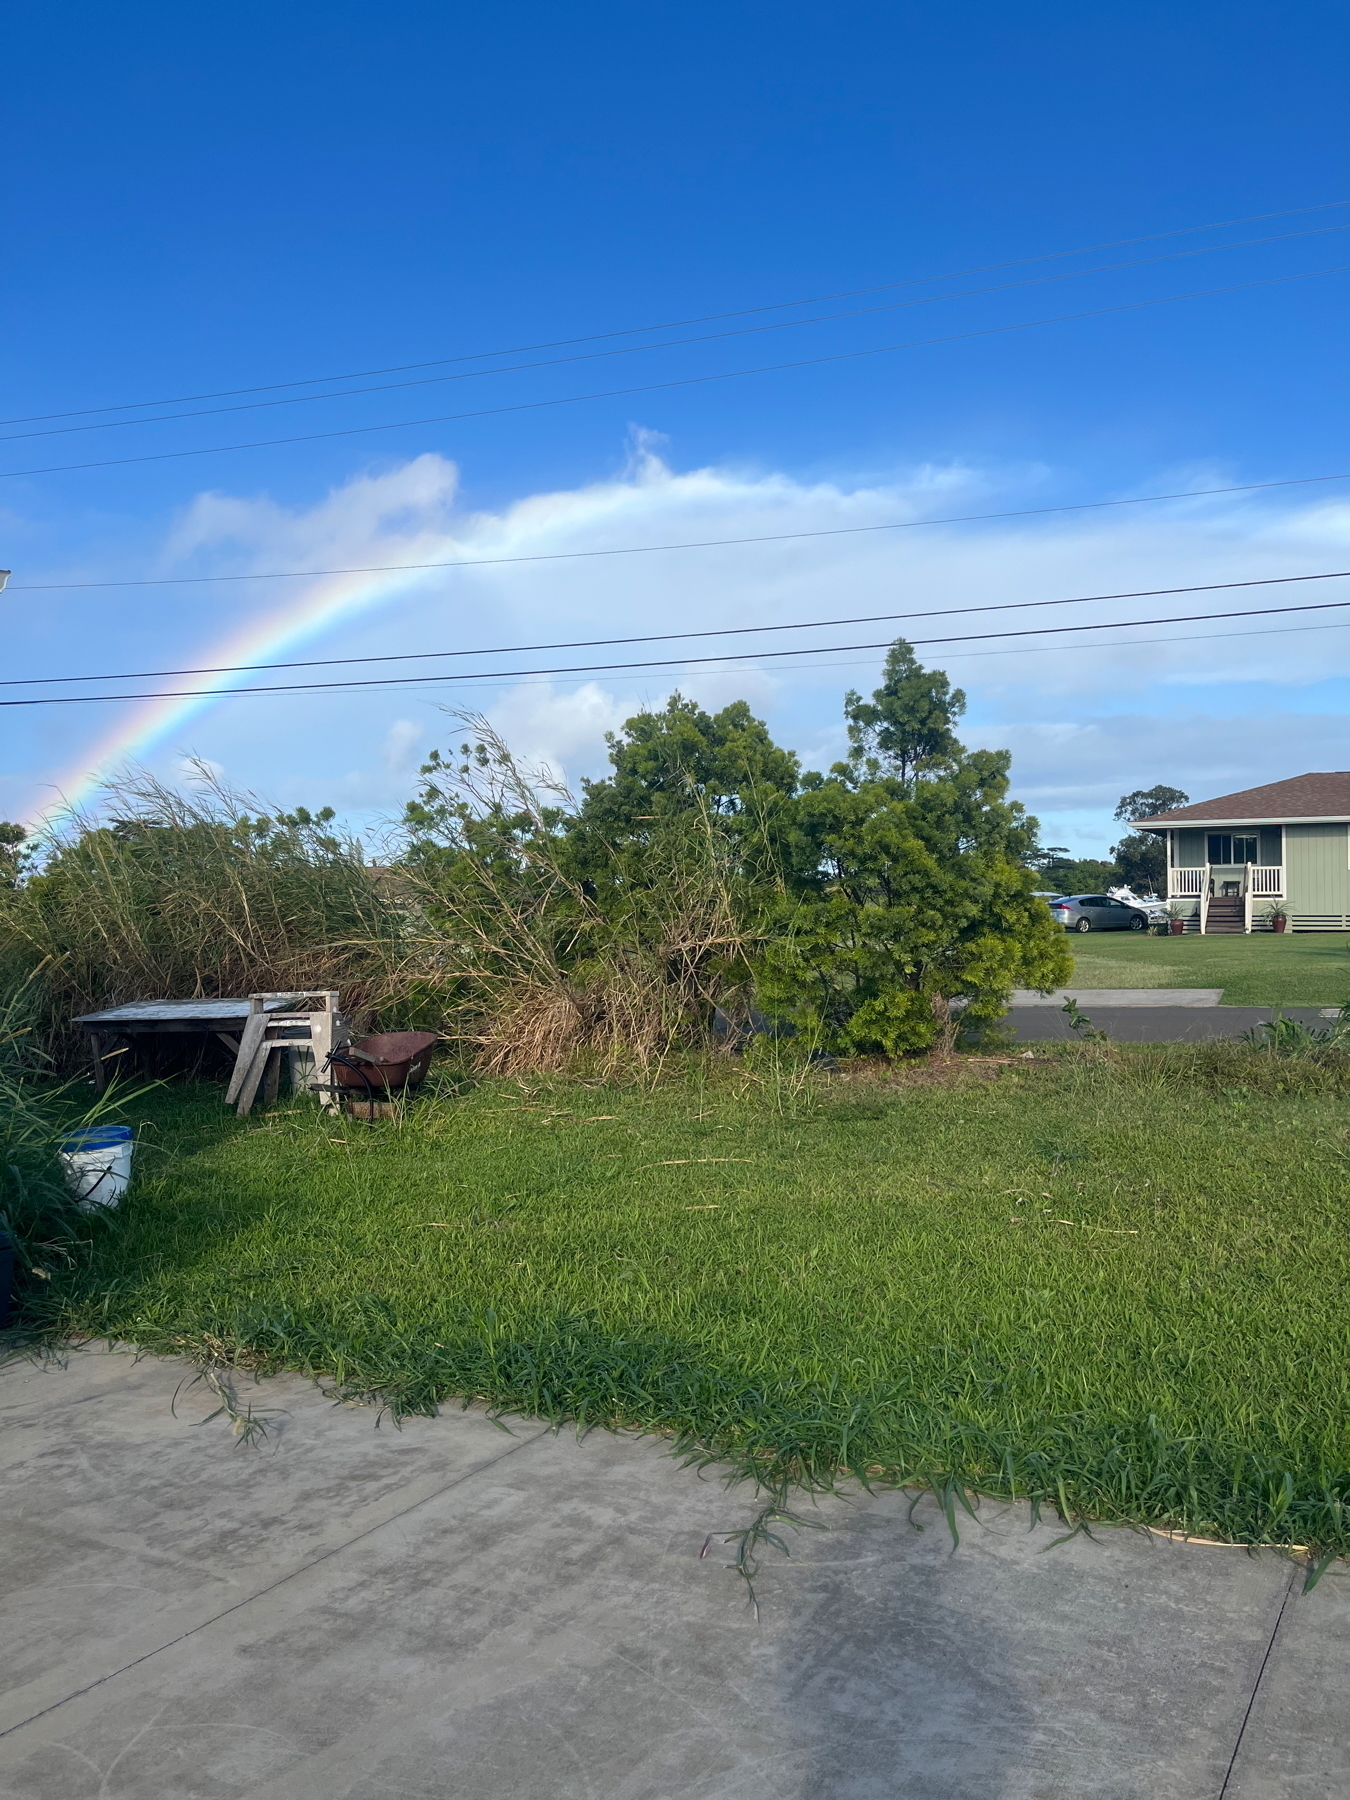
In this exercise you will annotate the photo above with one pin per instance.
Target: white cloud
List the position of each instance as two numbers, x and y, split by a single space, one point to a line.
400 741
397 507
564 733
1086 722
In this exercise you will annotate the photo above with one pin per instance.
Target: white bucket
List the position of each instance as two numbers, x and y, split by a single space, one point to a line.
97 1164
303 1076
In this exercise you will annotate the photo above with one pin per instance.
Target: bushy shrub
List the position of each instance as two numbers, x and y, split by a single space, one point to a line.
908 887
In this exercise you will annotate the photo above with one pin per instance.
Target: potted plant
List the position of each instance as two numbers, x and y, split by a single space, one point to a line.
1177 914
1276 917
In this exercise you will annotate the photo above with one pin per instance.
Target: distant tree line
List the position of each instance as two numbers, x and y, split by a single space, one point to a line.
1138 861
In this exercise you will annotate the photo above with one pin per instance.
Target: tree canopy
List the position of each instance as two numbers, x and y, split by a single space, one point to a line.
910 888
1147 803
679 774
905 729
1141 857
12 840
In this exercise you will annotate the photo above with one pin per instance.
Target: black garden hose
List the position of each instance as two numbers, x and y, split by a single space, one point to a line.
348 1063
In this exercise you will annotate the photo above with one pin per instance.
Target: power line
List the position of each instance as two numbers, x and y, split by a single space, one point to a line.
669 662
672 343
654 387
774 537
675 324
1198 637
1201 637
664 637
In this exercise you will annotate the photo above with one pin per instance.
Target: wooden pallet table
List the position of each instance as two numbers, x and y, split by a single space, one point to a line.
260 1029
140 1029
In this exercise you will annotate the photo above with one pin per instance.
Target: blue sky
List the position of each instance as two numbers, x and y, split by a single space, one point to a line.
199 202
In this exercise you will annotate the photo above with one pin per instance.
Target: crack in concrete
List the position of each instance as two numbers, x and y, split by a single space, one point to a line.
1256 1686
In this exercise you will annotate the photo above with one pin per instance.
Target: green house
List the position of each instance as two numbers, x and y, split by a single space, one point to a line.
1282 848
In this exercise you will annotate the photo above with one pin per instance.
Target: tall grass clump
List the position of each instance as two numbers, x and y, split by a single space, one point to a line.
32 1194
37 1209
173 894
556 940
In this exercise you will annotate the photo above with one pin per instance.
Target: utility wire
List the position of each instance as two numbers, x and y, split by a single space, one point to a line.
774 537
665 637
654 387
1199 637
670 343
408 681
675 324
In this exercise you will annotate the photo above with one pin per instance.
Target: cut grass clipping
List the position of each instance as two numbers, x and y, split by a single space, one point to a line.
1114 1285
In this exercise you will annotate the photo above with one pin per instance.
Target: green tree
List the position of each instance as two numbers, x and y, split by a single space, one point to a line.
12 839
905 729
1142 861
681 771
1147 803
909 887
1141 857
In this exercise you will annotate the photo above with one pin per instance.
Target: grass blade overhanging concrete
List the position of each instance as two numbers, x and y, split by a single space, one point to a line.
1110 1283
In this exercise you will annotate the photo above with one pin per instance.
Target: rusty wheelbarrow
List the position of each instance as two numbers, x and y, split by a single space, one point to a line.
377 1067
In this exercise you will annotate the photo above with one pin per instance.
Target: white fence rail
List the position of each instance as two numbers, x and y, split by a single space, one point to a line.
1264 880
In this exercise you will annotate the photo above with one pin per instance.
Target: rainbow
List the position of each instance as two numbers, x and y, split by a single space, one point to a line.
151 723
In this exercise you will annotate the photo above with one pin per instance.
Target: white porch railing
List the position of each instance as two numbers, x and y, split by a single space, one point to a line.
1187 884
1253 881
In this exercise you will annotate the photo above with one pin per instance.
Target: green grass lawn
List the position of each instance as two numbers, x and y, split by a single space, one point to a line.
1265 969
1117 1284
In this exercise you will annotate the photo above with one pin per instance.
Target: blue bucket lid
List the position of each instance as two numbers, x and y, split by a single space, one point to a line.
97 1137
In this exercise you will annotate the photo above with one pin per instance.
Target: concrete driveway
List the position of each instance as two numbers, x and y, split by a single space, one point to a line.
452 1612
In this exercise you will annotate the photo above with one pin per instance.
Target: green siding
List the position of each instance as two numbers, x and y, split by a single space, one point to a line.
1317 868
1191 848
1190 852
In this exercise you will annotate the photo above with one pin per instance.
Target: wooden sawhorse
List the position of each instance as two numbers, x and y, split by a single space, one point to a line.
304 1032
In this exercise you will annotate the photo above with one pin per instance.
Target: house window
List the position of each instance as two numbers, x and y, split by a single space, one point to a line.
1227 850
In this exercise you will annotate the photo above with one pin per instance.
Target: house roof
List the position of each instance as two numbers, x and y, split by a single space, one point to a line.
1302 800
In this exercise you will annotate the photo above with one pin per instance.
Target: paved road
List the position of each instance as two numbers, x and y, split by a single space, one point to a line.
1119 996
449 1612
1191 1023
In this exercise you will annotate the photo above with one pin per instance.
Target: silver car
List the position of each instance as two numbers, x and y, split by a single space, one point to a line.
1098 912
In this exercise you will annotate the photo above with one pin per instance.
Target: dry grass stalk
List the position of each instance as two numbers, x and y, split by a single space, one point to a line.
202 895
548 977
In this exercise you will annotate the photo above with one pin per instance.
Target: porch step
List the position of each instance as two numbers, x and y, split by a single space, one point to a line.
1226 914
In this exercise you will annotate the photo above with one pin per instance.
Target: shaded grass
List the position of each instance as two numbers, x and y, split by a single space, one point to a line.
1113 1284
1265 969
